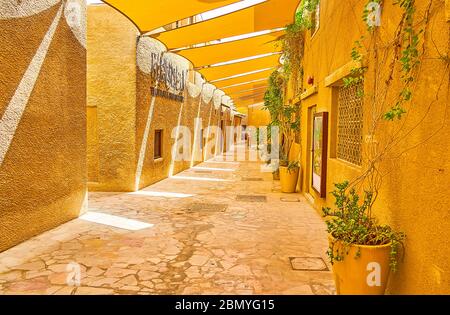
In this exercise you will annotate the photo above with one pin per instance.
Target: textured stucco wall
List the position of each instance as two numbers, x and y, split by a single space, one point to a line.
166 115
43 120
119 101
111 61
415 195
258 117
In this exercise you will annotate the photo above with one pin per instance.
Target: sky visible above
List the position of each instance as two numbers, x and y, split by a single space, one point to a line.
213 13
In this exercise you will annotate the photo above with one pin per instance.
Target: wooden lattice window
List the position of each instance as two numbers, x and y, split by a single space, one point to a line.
350 124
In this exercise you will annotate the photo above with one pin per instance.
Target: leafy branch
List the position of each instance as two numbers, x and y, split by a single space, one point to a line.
353 224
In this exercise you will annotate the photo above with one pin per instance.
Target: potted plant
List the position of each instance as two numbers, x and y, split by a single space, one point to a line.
289 172
289 124
273 102
361 251
286 119
274 166
276 174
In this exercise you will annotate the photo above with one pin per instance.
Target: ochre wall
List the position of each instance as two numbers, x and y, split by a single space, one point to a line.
111 91
165 116
414 197
258 117
43 170
119 100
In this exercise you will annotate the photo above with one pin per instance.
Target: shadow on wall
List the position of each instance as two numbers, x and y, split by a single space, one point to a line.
132 112
43 120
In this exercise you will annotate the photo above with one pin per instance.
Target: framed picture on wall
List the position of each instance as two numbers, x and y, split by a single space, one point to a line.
319 153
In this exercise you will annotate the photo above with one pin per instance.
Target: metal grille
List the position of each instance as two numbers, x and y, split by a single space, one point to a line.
308 264
202 172
251 198
252 179
207 207
287 199
350 124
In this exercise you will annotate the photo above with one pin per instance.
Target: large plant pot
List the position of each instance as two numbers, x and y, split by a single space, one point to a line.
363 273
288 179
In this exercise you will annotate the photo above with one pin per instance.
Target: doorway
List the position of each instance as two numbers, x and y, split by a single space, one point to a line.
309 156
223 138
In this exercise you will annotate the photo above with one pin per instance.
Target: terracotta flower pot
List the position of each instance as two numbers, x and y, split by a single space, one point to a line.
288 179
364 269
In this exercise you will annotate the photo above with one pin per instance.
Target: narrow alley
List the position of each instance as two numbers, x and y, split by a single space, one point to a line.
219 227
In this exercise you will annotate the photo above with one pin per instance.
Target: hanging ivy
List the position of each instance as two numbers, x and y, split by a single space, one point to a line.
406 55
304 15
274 96
292 43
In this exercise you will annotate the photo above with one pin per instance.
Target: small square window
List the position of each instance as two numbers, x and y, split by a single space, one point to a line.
158 144
202 139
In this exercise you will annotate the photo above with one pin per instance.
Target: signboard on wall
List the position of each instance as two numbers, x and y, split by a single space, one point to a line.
168 71
164 69
167 95
319 156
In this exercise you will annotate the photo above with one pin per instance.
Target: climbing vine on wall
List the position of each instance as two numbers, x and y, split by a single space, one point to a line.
304 15
395 69
393 65
292 43
405 53
283 115
274 96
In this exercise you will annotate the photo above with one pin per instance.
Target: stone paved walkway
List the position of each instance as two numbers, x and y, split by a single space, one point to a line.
201 240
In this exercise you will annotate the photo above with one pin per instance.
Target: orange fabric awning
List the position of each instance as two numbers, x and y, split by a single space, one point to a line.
250 101
148 15
246 78
214 73
245 86
249 96
243 48
247 93
268 15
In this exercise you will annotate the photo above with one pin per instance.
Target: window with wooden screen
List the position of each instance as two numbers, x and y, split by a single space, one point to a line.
350 124
158 144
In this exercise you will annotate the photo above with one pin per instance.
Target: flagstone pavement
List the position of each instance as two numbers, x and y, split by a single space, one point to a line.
196 233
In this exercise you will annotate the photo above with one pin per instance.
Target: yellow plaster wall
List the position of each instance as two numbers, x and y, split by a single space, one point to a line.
93 154
258 117
165 117
43 173
447 9
111 61
415 195
119 101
